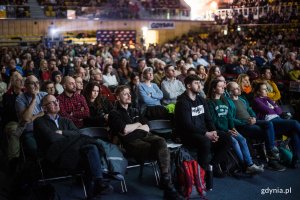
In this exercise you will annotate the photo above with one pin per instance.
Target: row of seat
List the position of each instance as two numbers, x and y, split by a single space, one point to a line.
159 127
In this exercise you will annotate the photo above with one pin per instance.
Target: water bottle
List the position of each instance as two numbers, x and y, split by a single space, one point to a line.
209 178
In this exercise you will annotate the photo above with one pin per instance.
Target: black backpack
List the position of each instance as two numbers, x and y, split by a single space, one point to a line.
232 166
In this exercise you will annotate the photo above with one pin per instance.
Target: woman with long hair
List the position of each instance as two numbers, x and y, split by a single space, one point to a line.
222 118
133 84
124 71
109 79
266 109
213 72
99 106
29 68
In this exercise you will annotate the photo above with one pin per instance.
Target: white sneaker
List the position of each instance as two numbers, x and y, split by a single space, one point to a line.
254 169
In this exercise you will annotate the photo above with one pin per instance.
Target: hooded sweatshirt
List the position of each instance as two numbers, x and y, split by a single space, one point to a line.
192 116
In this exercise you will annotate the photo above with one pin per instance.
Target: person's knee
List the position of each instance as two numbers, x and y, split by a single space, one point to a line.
268 124
89 148
242 140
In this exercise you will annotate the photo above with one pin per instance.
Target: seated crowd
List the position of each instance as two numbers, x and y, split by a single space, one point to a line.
224 95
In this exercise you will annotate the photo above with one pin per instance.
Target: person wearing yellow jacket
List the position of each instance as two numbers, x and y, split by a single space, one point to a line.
272 89
295 73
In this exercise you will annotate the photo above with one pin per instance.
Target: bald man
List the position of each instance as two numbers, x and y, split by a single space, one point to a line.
63 145
72 106
244 119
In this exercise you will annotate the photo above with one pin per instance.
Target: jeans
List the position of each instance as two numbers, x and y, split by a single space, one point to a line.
240 147
92 156
289 128
261 130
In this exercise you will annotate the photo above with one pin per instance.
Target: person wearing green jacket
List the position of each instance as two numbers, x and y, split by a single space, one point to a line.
222 118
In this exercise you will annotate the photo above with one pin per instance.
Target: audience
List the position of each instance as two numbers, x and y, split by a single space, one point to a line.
267 110
194 126
149 93
73 106
221 117
170 86
99 106
109 79
244 119
219 54
272 89
63 145
125 122
28 108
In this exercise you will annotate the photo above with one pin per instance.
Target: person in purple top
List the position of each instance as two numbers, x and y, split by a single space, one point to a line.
267 110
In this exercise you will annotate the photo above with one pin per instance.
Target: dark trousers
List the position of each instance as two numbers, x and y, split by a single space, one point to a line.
207 151
29 145
150 147
289 128
261 130
92 160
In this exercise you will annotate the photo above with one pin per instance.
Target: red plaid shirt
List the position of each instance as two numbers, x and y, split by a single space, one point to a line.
74 108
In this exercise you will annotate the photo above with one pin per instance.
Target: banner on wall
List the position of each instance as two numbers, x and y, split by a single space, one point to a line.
162 25
111 36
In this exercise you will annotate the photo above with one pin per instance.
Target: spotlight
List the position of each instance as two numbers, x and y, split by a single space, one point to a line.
53 31
144 29
214 5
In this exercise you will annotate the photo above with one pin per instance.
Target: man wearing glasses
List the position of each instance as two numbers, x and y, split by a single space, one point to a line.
63 145
28 108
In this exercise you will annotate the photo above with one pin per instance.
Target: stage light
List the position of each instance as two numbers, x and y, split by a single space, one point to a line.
225 32
53 31
144 29
238 29
214 5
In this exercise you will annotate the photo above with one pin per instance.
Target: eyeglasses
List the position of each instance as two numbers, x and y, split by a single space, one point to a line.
52 102
33 82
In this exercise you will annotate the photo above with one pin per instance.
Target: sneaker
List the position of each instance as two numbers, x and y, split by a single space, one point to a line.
273 154
274 165
254 169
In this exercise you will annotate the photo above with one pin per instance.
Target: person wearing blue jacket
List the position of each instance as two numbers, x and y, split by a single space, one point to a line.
149 93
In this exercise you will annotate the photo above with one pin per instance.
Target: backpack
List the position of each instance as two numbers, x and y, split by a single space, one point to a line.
232 167
187 175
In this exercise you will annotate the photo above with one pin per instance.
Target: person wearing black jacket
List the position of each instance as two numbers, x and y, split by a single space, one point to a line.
195 127
61 143
126 123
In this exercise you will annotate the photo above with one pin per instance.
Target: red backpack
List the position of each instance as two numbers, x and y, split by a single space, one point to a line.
188 176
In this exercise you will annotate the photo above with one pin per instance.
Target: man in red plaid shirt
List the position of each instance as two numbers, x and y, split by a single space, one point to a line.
72 106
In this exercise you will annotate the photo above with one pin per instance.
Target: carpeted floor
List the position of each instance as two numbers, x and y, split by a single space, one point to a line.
229 188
